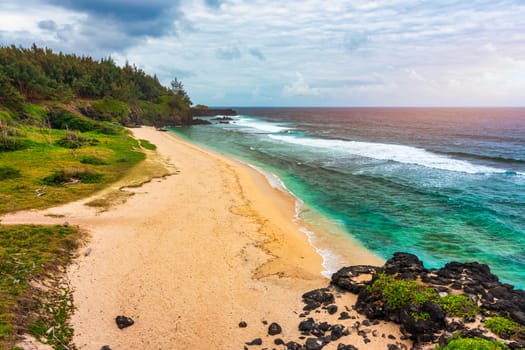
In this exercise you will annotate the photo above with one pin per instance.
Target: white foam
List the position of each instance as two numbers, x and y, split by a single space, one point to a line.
393 152
260 126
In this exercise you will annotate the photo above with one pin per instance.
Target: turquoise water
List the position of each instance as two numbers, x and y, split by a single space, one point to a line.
445 184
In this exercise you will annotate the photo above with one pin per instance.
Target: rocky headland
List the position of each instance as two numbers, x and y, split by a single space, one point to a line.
459 306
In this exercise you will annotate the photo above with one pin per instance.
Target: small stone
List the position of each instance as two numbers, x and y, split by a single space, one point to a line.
293 346
278 341
344 315
314 344
306 325
342 346
274 329
105 347
243 324
66 224
332 309
123 322
256 341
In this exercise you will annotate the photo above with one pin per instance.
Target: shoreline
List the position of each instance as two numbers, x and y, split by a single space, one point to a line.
188 257
327 238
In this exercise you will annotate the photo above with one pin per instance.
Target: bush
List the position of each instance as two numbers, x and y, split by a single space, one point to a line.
147 145
458 305
399 293
9 173
61 119
74 140
60 177
503 327
110 109
474 344
92 160
10 143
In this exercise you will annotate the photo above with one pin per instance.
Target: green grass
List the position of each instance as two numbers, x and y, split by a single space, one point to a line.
29 253
503 327
458 305
43 158
399 293
8 173
147 145
473 344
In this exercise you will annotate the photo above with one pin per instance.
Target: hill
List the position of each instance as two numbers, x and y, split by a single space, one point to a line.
99 90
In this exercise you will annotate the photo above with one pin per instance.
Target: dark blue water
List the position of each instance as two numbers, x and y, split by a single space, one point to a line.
445 184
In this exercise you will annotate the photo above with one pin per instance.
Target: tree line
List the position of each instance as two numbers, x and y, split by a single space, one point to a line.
101 89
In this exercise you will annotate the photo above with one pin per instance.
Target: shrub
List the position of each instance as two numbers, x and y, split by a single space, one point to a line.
458 305
474 344
503 327
9 173
147 145
110 109
60 177
74 140
399 293
61 119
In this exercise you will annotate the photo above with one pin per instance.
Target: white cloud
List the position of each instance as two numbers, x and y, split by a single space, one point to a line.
299 87
226 50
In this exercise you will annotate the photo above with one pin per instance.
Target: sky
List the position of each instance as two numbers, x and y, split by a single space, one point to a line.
296 53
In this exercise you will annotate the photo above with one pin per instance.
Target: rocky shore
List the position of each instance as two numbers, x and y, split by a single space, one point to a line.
460 306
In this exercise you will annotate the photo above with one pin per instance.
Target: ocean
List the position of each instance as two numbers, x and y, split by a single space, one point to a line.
447 184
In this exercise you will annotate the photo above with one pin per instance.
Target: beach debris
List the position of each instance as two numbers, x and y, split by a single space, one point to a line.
243 324
256 341
124 321
274 329
105 347
87 251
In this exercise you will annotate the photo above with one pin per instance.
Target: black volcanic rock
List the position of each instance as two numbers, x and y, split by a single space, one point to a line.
314 344
124 322
315 298
274 329
407 266
306 325
347 277
243 324
256 341
293 346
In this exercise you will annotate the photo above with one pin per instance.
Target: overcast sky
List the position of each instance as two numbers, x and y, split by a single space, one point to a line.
296 53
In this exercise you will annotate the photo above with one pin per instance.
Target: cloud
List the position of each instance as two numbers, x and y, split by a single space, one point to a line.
135 17
299 87
355 40
213 3
228 53
49 25
257 54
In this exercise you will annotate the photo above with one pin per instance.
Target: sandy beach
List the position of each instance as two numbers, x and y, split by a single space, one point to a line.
190 256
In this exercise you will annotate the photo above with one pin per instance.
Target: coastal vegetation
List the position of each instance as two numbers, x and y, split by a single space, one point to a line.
98 89
33 298
62 138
